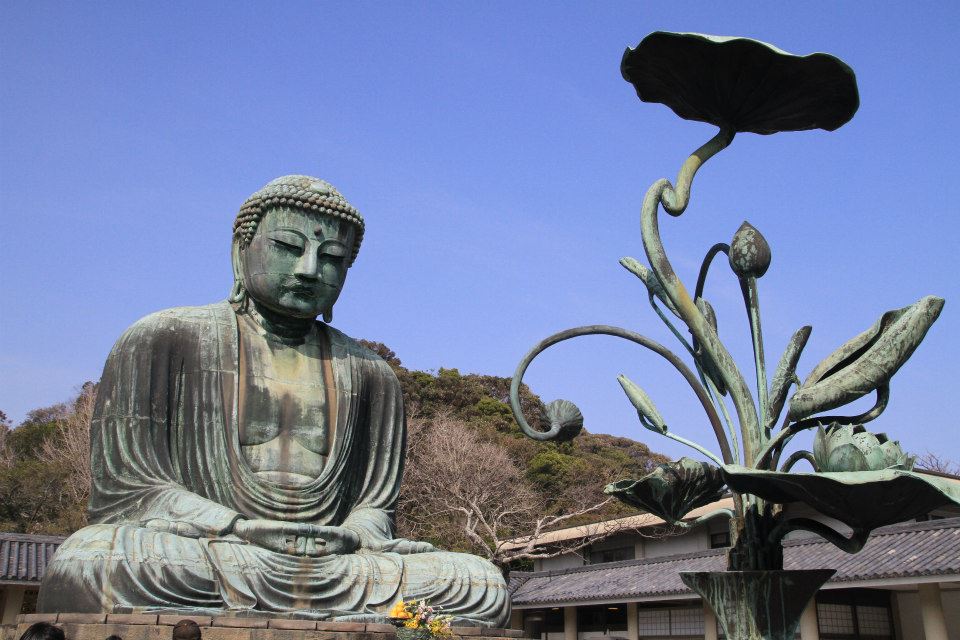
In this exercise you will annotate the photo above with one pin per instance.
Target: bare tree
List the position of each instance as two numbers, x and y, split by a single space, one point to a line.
935 462
470 493
69 449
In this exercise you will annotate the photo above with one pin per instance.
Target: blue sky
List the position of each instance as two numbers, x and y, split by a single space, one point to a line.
499 160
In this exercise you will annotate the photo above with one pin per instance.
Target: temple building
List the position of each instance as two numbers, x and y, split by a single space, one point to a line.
23 559
903 585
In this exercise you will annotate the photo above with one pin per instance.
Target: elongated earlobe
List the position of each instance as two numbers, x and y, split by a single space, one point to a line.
328 315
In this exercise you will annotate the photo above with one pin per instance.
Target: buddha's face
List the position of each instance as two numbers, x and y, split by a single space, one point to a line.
297 262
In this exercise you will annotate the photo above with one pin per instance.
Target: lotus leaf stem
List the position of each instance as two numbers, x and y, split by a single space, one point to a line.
675 200
704 380
751 298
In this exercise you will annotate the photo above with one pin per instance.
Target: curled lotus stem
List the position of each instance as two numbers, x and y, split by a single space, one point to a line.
720 247
675 200
796 457
643 341
785 434
853 544
728 513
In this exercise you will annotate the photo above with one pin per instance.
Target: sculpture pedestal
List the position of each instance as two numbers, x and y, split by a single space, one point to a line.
757 605
139 626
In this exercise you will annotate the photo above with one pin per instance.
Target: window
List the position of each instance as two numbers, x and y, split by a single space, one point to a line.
855 614
720 540
611 555
835 619
602 618
675 621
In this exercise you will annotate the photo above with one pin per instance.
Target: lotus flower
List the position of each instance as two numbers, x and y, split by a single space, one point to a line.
671 490
853 448
868 361
741 84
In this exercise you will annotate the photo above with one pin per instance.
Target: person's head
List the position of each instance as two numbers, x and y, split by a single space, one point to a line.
293 241
43 631
186 630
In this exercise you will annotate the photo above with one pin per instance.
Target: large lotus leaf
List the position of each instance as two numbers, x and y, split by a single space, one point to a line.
867 361
861 500
671 490
743 84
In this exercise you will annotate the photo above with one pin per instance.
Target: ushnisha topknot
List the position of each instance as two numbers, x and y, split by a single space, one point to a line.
301 192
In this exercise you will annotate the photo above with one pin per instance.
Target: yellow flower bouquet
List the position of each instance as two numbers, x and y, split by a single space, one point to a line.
416 620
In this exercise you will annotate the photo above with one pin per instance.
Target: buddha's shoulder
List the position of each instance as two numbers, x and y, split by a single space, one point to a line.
345 344
180 321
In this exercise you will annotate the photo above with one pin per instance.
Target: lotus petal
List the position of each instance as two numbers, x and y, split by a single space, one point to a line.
743 84
853 448
785 374
671 490
709 367
862 500
867 361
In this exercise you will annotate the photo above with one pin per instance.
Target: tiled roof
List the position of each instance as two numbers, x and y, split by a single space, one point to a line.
900 551
24 557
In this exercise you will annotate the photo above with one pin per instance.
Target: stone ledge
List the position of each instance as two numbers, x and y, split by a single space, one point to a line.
138 626
202 621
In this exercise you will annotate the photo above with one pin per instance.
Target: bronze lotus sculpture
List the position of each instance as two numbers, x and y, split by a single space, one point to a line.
861 479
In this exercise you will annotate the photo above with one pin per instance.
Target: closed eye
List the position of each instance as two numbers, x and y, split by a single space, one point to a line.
292 248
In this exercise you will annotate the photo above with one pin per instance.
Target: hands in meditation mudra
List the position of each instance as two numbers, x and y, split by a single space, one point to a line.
246 456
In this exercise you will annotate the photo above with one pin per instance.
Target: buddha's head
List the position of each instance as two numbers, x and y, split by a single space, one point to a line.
293 242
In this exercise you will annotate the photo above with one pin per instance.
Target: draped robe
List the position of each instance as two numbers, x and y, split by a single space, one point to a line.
170 480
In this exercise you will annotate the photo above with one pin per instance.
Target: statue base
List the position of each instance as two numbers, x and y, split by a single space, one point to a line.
142 626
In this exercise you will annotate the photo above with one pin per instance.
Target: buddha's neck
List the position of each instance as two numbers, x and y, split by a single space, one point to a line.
282 327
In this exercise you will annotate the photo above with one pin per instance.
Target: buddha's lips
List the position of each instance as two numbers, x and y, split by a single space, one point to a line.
304 289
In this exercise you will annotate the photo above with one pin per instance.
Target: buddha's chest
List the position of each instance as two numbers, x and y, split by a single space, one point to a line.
283 407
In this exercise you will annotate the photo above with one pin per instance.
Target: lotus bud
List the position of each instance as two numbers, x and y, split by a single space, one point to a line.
649 416
650 280
749 252
853 448
565 417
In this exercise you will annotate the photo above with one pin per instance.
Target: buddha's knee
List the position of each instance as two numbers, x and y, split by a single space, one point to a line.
105 566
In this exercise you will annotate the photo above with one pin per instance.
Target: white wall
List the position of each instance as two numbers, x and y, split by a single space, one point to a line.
908 614
696 540
565 561
951 611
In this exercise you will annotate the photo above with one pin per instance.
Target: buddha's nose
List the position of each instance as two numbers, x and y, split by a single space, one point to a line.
307 266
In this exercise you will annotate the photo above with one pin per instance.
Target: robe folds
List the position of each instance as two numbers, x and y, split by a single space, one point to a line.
170 480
